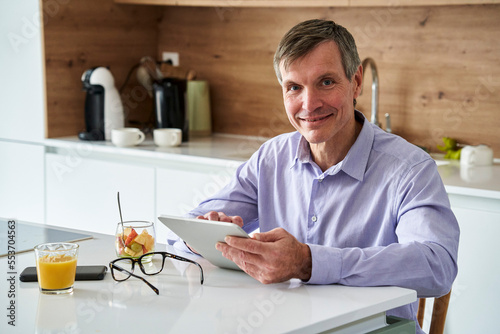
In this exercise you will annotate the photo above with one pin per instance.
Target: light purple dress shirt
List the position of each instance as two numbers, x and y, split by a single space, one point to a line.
379 217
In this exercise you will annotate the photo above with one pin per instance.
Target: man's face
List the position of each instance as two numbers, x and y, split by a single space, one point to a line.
318 96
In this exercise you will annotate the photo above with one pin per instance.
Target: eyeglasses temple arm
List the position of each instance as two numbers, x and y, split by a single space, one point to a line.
149 284
180 258
193 262
136 276
201 272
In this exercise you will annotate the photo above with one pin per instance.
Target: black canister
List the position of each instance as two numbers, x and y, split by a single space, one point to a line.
94 109
170 105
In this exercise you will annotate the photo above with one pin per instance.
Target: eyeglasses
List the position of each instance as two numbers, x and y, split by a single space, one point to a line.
150 264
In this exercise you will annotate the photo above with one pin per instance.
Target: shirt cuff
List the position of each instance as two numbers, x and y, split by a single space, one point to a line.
181 246
326 264
177 243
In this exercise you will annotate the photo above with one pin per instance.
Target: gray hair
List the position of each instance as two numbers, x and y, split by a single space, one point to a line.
305 36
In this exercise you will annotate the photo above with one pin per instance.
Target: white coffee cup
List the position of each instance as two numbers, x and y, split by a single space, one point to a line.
167 137
124 137
480 155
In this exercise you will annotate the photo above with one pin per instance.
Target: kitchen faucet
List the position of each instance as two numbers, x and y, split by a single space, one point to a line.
374 111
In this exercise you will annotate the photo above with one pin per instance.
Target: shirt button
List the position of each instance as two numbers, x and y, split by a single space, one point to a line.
320 180
314 218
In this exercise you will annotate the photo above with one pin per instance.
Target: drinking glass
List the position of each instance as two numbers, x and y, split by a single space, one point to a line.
56 267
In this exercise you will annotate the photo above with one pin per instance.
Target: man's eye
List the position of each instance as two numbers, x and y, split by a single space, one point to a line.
294 87
327 82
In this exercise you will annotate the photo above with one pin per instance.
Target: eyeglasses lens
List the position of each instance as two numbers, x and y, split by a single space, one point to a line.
152 264
125 264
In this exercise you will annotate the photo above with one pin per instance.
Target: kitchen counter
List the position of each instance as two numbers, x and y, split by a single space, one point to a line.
221 150
214 150
477 181
229 301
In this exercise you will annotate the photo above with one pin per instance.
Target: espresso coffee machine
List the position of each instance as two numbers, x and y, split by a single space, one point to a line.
103 105
170 105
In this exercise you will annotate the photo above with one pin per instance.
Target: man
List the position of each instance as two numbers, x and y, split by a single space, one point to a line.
338 201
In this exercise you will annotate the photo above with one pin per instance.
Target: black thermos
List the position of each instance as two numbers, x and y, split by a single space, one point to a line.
170 105
94 113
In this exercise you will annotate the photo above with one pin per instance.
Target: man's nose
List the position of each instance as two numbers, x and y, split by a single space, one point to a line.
311 100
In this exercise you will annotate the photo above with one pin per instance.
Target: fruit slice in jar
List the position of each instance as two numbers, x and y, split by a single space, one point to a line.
136 247
130 238
146 240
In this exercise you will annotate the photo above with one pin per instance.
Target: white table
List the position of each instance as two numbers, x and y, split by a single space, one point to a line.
228 302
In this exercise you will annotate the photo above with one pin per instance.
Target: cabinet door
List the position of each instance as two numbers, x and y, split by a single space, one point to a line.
182 187
21 64
474 300
81 192
21 181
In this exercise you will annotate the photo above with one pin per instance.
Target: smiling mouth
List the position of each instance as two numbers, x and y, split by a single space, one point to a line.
315 119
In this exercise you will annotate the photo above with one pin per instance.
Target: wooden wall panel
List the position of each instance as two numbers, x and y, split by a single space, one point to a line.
82 34
438 66
245 3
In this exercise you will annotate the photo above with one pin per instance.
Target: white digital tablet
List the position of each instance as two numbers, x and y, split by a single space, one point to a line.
203 235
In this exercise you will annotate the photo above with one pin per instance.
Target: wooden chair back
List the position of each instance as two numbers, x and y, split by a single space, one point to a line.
439 311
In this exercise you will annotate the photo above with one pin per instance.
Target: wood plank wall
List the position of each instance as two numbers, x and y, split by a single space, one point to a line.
79 35
438 66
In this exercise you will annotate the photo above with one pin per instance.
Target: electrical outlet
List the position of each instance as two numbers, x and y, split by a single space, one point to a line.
173 56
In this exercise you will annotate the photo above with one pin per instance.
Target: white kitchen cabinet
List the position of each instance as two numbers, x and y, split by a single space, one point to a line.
22 181
22 116
21 63
82 192
82 180
181 187
475 295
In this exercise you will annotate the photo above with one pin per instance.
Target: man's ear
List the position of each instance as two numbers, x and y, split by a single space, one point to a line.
357 81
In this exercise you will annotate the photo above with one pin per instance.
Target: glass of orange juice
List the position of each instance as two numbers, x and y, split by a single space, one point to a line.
56 267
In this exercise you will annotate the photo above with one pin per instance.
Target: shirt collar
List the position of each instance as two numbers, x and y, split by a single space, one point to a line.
303 153
356 160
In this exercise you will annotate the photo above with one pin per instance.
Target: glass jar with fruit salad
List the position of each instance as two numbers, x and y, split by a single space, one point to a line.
135 238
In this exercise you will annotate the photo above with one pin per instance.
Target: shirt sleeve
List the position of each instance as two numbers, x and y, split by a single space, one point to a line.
239 197
425 256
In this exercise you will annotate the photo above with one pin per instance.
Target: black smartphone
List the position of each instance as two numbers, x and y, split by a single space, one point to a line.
83 273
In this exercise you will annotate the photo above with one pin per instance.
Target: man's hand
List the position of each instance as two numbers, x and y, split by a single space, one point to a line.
269 257
221 216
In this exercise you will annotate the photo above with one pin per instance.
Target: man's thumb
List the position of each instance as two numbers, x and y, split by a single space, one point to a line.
270 236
